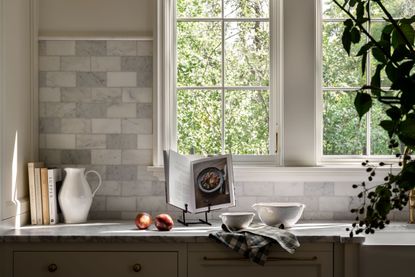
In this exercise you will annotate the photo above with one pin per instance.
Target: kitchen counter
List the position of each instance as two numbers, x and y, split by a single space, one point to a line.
326 232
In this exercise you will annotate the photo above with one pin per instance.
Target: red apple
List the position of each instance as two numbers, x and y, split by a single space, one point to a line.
143 221
164 222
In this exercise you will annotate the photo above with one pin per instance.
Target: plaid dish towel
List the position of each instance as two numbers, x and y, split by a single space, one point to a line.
254 242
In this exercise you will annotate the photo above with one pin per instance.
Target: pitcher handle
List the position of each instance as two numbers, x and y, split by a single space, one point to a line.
99 180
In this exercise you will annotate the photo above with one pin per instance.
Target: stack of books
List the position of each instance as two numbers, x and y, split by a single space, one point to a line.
44 185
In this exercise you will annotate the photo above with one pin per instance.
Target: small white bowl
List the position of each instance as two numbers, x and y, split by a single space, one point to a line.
236 221
275 214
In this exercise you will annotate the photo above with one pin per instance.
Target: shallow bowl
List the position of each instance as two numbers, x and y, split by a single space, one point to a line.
277 213
236 221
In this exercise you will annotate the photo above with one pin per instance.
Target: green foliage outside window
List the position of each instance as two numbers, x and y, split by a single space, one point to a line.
205 107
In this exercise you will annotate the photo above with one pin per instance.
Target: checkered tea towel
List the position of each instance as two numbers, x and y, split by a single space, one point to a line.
255 241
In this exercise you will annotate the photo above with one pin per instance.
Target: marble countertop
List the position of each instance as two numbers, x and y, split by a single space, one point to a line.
126 231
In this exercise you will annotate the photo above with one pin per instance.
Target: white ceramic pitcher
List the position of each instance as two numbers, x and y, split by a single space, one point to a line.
75 197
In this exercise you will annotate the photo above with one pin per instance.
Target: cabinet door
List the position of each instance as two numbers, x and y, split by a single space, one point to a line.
90 264
229 263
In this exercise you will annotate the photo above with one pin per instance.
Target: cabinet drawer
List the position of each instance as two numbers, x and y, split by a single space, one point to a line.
229 263
89 264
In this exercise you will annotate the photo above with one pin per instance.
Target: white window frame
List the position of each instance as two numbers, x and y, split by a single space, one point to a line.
339 159
165 87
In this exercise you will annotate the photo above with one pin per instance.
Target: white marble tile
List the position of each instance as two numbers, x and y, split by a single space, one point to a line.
76 64
289 189
106 157
76 95
318 188
91 141
122 141
244 203
106 64
144 141
115 203
106 95
335 203
139 188
60 109
345 189
60 48
152 203
49 63
137 126
258 189
76 125
122 110
49 95
121 79
121 48
137 95
98 203
110 188
106 126
137 157
60 79
58 141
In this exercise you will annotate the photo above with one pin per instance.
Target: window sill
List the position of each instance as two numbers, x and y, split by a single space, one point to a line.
329 173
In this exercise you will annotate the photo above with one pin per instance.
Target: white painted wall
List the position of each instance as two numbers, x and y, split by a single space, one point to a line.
16 111
96 16
299 82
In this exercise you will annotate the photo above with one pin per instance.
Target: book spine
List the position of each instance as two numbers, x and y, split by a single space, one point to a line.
45 195
32 194
38 200
53 202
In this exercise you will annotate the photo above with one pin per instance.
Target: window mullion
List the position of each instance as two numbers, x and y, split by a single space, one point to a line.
369 114
223 79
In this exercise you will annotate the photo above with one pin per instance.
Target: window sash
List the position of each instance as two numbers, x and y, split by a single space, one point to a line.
345 158
275 115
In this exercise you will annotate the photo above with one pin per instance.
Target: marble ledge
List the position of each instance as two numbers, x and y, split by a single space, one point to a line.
126 232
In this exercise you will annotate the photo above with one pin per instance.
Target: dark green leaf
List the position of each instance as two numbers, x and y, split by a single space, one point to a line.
392 72
360 11
388 126
352 3
355 35
394 113
398 39
375 82
362 103
407 131
364 59
364 48
379 55
346 40
400 53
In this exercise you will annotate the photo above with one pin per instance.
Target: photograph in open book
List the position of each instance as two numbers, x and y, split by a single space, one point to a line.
213 182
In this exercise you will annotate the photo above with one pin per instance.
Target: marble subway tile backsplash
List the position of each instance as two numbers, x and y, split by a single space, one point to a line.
96 109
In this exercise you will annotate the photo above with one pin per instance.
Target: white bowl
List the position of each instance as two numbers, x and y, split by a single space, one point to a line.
275 214
237 221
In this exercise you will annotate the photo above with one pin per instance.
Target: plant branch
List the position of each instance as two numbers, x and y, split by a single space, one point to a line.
387 54
395 24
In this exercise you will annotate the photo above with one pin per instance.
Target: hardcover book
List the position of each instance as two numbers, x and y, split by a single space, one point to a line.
201 184
32 191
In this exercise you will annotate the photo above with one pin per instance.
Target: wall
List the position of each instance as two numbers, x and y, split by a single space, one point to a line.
96 16
95 113
17 116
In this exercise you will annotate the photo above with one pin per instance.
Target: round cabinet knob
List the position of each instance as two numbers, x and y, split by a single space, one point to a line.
52 268
137 268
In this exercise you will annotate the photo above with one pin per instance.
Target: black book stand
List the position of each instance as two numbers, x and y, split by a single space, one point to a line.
200 221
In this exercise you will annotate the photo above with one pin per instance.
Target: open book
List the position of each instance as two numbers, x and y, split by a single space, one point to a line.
199 183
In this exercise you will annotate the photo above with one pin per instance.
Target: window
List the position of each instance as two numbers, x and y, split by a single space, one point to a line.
342 132
225 79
